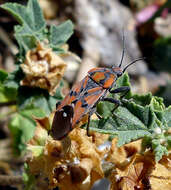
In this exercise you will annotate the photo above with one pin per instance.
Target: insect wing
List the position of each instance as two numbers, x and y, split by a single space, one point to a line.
62 122
72 96
86 102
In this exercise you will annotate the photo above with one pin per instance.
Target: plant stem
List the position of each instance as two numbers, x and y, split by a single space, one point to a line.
10 180
2 104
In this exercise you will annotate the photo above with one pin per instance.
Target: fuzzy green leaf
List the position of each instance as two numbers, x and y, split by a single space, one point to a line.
38 98
22 127
11 83
3 75
33 28
139 116
123 124
124 81
14 78
28 178
158 149
61 33
8 85
167 116
32 23
30 17
162 55
25 42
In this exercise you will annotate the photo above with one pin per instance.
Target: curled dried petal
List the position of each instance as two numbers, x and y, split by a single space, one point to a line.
43 68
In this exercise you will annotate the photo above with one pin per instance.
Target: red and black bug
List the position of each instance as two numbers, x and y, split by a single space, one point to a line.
84 96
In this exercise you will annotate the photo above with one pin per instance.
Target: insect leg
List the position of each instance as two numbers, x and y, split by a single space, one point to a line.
114 101
98 115
124 89
93 110
88 125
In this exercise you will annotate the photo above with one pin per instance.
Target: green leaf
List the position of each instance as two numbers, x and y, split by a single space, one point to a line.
14 78
139 116
35 150
60 34
3 94
158 149
22 130
168 138
123 124
33 97
124 81
22 127
30 17
11 84
167 116
25 42
162 55
8 85
157 104
33 28
32 112
32 23
3 75
143 99
38 98
28 178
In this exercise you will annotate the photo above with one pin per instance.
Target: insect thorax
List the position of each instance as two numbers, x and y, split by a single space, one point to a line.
103 76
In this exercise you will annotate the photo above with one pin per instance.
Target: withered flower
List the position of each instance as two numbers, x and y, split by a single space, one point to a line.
74 162
142 173
43 68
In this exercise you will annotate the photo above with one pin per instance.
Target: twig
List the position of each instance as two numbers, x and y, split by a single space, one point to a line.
5 143
5 38
2 104
10 180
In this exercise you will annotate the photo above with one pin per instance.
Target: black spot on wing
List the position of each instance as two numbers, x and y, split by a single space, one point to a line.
84 104
90 84
74 101
62 122
73 93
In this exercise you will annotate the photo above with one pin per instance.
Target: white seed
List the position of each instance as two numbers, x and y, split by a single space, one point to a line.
157 130
76 160
117 177
64 114
162 141
105 145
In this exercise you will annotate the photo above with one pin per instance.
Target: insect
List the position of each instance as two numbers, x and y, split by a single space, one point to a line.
85 95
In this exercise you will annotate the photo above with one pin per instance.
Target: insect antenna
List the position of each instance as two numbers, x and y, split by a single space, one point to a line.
142 58
123 51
